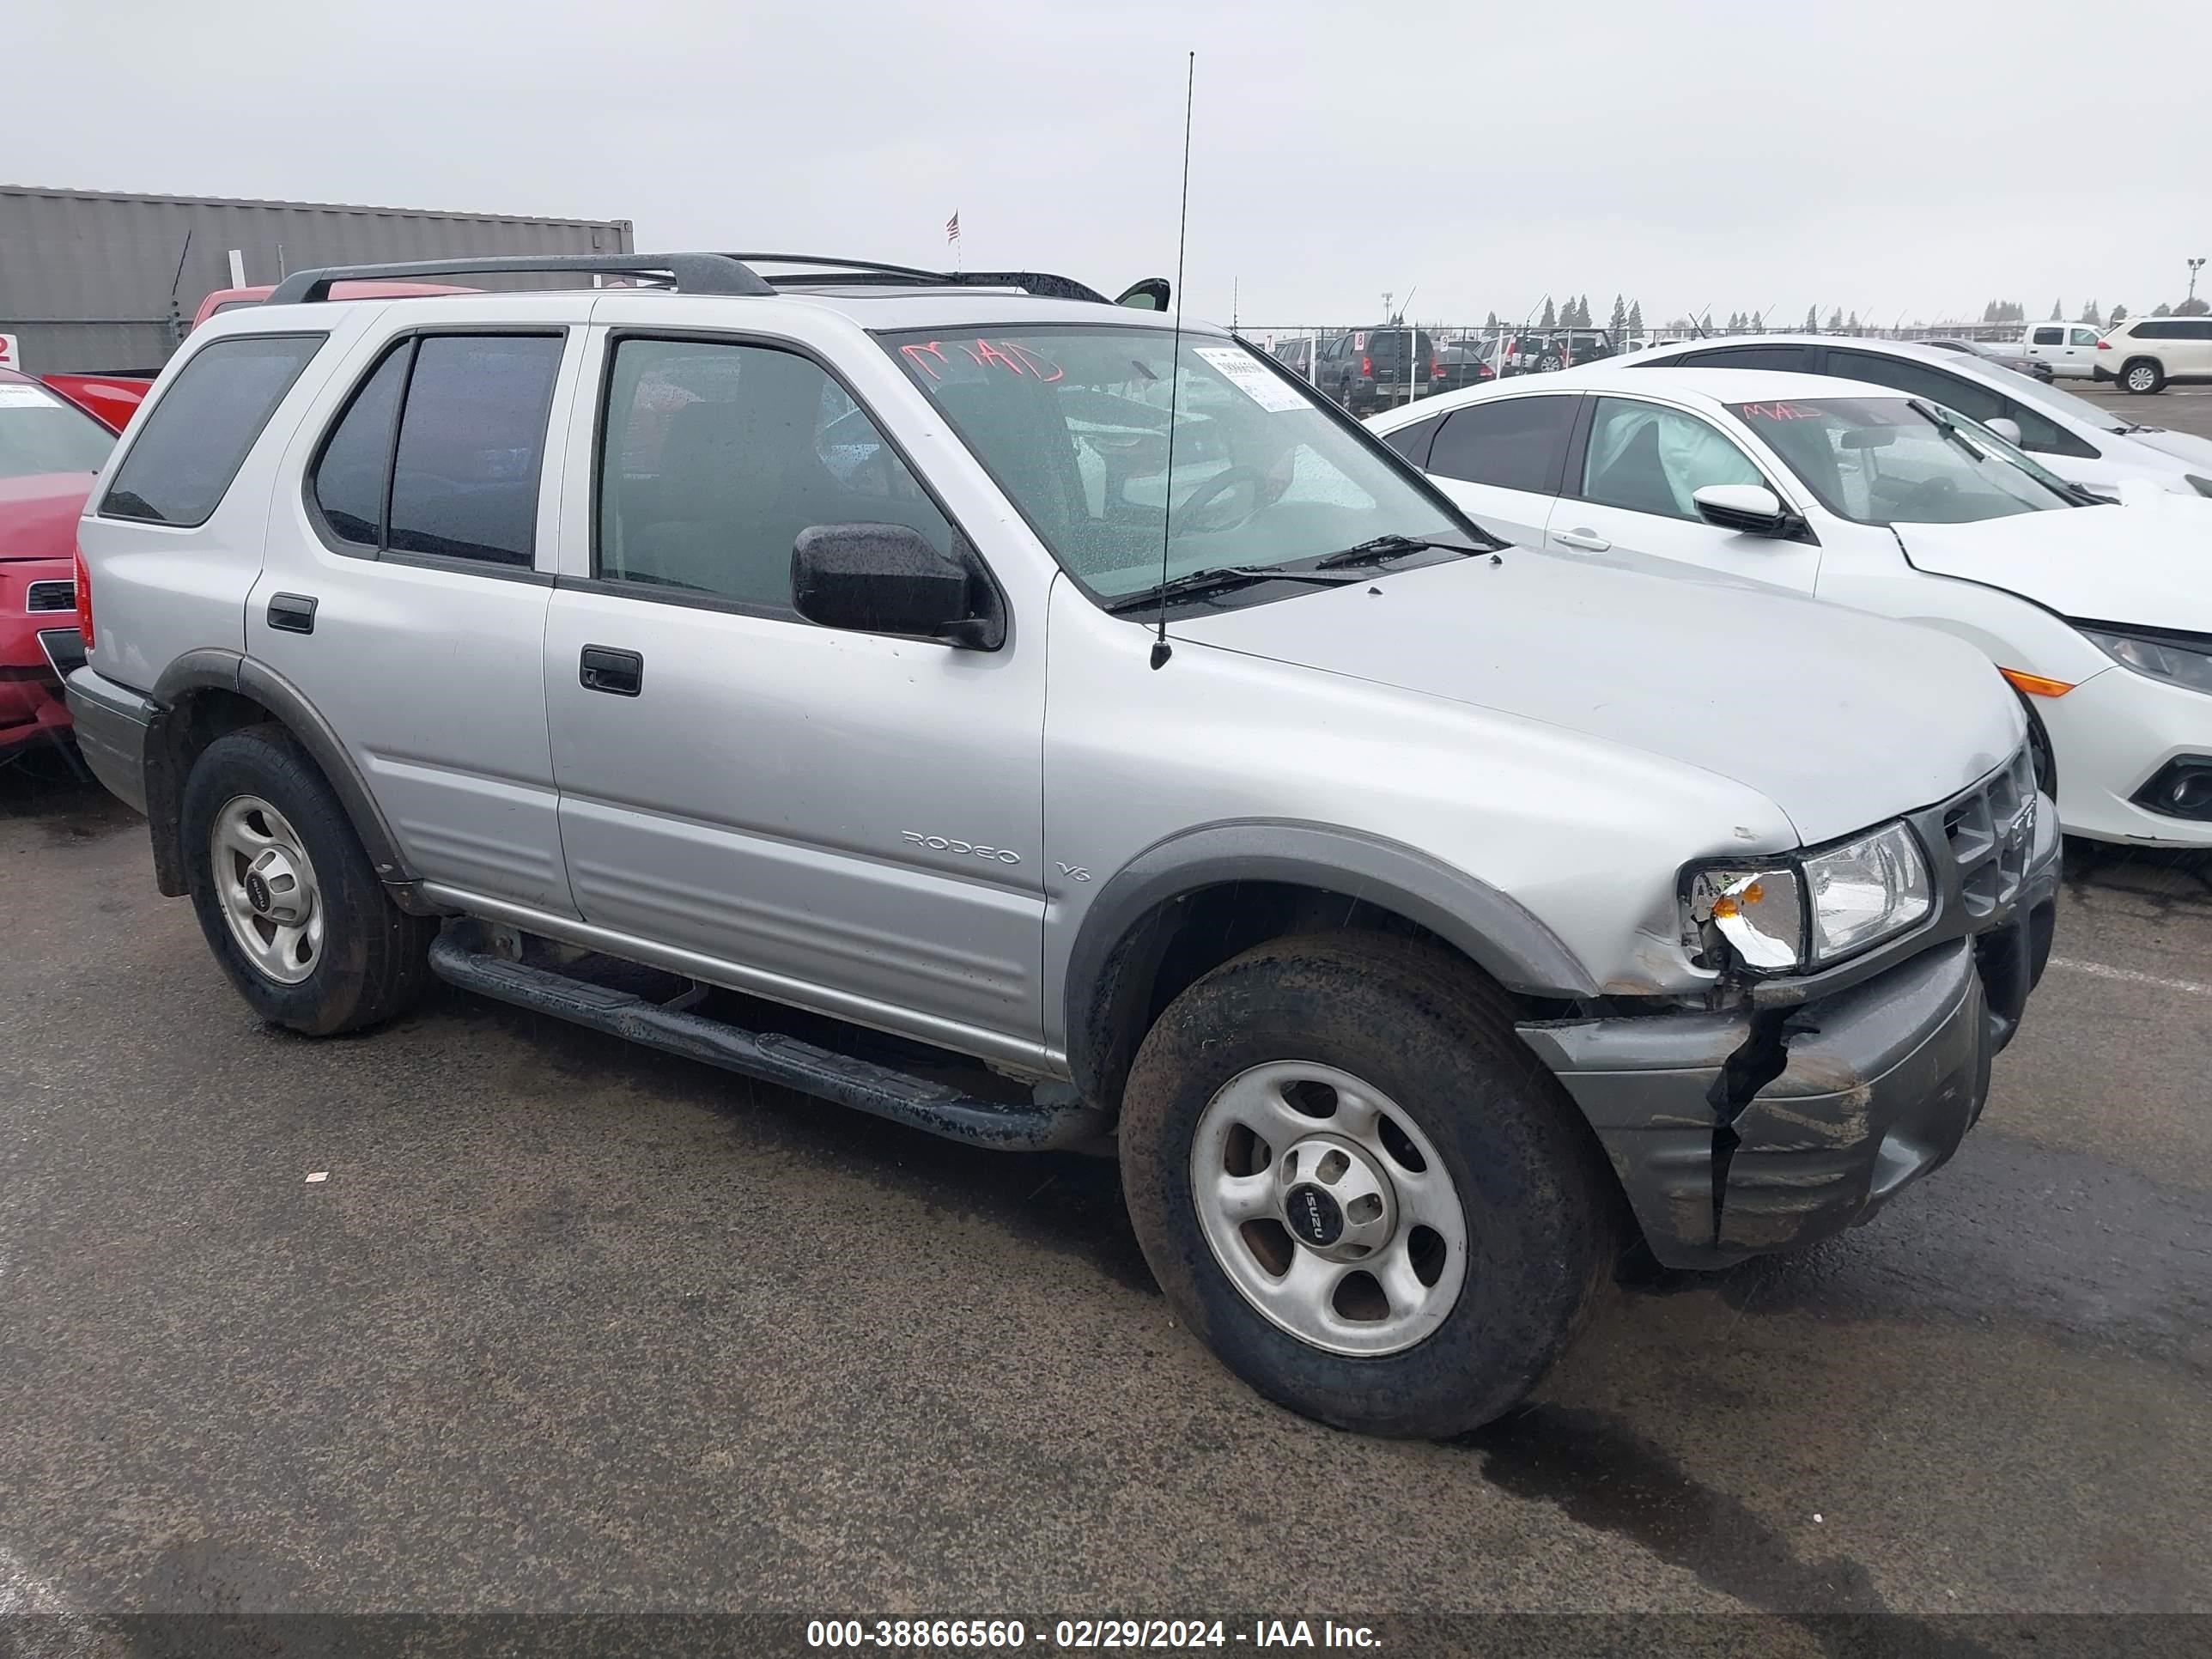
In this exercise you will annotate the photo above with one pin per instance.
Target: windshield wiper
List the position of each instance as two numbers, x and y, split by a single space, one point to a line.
1942 424
1380 548
1220 578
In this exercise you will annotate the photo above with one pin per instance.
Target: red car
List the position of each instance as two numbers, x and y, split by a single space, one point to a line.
49 451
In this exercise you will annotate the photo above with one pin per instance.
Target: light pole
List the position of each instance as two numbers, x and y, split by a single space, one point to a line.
2195 265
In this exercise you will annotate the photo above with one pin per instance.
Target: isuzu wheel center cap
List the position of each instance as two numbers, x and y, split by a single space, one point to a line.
1335 1198
272 888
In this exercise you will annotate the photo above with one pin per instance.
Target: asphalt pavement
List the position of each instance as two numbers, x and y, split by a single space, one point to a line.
570 1326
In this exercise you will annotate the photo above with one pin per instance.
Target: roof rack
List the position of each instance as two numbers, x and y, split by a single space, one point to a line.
1042 284
691 273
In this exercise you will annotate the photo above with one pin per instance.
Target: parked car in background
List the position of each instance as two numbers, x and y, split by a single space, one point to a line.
1297 354
2147 354
50 449
111 399
1370 368
1402 915
1547 353
1465 363
2069 349
2099 616
2079 440
2004 356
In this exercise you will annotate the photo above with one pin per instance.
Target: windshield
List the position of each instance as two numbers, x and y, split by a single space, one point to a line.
41 433
1073 422
1882 460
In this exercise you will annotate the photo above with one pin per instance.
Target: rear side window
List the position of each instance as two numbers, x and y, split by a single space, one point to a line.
1790 359
197 436
1515 443
441 450
2155 332
2050 336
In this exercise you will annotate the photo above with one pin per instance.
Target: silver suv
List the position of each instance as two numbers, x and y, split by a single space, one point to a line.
809 677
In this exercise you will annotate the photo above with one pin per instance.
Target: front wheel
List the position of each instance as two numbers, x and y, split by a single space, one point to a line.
1357 1187
286 895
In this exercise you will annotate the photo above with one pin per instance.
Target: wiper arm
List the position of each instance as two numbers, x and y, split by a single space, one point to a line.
1220 578
1385 547
1942 424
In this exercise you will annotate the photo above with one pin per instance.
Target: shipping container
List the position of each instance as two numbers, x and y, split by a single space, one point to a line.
95 281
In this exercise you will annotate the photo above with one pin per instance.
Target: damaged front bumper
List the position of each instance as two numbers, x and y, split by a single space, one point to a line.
1767 1127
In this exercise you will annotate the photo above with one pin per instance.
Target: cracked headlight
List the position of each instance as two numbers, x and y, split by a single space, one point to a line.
1876 886
2177 658
1816 909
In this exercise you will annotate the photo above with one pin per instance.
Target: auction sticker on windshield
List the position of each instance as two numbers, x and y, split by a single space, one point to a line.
1253 378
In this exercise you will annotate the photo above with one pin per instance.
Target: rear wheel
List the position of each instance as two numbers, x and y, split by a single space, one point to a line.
1358 1188
286 896
2142 376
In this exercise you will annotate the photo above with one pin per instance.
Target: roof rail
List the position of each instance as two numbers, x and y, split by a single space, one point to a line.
874 273
692 273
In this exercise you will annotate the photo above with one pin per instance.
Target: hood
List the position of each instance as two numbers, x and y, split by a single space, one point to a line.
2150 564
1827 711
2183 445
39 514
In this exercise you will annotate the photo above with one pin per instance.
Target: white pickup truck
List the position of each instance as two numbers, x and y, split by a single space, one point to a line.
2070 349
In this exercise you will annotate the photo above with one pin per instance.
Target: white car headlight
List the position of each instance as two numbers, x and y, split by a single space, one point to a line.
1812 911
2177 658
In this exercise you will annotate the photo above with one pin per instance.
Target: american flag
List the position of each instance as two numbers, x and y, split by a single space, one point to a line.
952 228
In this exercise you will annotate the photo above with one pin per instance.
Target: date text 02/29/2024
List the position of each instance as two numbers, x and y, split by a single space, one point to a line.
1075 1634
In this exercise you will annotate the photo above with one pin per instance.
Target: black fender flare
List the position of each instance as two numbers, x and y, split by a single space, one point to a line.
230 671
1493 929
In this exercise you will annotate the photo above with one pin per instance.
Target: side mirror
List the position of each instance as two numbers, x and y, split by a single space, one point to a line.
1754 509
2006 428
883 579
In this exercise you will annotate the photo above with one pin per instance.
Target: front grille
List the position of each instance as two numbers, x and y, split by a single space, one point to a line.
1991 832
51 595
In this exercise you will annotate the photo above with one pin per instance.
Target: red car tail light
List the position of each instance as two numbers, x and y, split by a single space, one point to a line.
1436 368
2103 345
83 599
1367 367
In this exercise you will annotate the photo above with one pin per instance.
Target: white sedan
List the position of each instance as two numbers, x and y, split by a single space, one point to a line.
2084 444
2100 615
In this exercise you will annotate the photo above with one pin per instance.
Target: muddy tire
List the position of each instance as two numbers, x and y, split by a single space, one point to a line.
286 895
1436 1220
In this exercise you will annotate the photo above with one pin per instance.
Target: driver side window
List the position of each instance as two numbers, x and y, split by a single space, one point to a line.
713 457
1645 458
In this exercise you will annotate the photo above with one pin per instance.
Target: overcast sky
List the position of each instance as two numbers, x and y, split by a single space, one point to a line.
1889 158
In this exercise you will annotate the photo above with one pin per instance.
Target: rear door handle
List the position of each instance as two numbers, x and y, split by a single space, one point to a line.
618 673
292 613
1588 540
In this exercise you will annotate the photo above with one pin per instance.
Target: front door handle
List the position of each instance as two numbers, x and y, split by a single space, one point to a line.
1588 540
618 673
292 613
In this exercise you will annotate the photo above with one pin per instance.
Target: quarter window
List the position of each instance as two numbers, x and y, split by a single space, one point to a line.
1413 442
1515 443
1789 359
1650 459
357 461
181 464
715 457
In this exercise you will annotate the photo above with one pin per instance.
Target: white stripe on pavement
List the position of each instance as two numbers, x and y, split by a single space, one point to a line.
2130 977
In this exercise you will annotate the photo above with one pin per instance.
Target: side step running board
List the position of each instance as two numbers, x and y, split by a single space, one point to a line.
770 1056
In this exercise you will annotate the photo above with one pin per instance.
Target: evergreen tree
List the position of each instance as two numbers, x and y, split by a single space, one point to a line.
1583 306
1812 319
2161 309
2057 311
1616 324
1758 324
1990 312
2192 308
1836 321
2090 315
1493 321
1551 317
1636 317
2119 315
1852 326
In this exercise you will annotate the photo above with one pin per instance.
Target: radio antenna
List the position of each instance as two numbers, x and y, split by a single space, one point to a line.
1161 649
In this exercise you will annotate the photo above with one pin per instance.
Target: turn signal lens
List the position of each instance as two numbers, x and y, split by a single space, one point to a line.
2035 686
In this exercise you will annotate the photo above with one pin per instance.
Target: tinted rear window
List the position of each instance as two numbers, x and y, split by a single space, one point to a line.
197 436
1515 443
471 441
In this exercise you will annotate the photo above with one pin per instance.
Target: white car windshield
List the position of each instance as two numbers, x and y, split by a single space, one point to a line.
1897 460
1073 422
